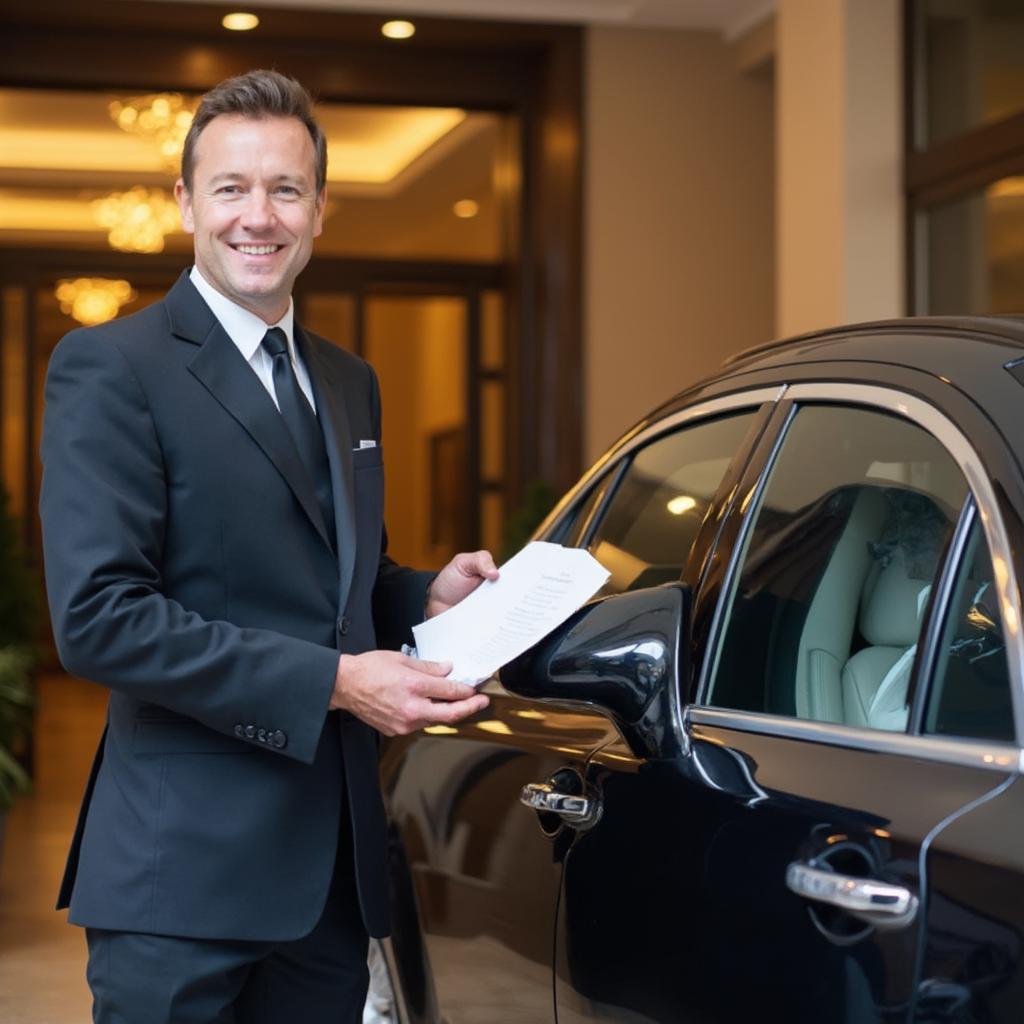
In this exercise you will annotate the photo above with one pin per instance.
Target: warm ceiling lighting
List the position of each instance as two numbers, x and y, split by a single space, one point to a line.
466 208
1006 188
240 21
138 219
398 29
164 117
681 505
494 726
93 300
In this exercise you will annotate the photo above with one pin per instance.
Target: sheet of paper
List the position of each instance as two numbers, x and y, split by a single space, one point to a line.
539 588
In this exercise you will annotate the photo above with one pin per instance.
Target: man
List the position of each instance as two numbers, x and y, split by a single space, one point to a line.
212 521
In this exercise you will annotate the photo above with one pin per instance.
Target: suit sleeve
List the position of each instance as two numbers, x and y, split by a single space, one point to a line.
103 505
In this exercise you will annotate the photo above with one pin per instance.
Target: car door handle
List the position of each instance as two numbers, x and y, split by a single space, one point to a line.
542 796
878 903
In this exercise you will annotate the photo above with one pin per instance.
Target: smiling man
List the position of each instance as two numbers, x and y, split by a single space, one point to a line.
215 554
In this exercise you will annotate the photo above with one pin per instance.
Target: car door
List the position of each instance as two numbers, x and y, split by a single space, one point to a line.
476 874
770 867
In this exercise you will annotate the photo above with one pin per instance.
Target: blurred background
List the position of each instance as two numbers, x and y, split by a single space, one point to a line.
544 218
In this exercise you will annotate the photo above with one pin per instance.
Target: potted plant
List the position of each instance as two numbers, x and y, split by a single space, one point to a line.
17 618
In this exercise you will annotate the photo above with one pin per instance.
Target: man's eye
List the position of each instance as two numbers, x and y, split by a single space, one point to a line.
288 190
228 190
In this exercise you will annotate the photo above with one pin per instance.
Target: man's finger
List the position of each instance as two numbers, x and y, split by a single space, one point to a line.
432 668
454 711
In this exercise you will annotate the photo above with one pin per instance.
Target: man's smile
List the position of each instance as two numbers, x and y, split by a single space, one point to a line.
256 248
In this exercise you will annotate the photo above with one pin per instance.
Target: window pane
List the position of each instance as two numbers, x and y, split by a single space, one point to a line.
646 535
973 57
971 693
837 570
973 259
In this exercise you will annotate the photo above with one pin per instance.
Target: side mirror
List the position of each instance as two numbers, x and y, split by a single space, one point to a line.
620 656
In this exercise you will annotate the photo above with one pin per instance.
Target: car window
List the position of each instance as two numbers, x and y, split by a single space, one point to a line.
823 618
970 694
580 518
652 520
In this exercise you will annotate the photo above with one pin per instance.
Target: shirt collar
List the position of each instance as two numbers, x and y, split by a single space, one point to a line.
245 329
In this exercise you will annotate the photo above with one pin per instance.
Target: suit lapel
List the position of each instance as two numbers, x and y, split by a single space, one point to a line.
329 394
221 369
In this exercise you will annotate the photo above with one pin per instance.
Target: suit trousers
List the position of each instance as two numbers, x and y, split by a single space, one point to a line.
320 978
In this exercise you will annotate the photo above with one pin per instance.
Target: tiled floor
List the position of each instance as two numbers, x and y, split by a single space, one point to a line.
42 958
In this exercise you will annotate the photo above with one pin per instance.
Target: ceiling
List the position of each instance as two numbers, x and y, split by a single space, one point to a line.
394 175
730 17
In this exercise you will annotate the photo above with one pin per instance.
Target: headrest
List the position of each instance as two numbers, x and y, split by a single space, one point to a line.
892 604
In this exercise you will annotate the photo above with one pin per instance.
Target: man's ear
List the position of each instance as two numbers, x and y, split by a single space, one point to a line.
184 197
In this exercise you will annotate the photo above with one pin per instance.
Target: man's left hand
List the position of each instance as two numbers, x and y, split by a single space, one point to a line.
459 578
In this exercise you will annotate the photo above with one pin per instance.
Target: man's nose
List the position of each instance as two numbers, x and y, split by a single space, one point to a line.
258 212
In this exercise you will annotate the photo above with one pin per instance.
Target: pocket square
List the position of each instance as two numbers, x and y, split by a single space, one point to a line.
366 444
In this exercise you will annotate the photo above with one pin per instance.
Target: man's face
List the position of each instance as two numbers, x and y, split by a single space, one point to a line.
253 208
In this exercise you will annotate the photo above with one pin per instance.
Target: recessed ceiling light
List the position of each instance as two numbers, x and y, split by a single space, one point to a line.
240 21
466 208
398 29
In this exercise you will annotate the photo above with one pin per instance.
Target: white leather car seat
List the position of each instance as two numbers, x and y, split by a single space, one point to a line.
876 678
827 633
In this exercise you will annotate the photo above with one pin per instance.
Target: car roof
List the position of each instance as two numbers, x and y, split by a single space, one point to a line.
969 352
903 337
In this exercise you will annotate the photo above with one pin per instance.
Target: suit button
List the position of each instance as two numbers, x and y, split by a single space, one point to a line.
261 735
240 731
343 623
250 731
279 739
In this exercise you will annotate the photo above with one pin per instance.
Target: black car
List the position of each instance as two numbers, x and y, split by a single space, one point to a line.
772 771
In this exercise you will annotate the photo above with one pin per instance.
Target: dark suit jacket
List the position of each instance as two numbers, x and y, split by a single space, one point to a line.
189 570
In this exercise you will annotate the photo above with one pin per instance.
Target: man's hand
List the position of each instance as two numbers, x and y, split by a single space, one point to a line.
458 579
398 695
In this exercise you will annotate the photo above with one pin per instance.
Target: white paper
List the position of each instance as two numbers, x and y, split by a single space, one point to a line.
539 588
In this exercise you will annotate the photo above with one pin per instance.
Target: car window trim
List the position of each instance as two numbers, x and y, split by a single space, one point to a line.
754 399
992 756
614 478
929 418
923 679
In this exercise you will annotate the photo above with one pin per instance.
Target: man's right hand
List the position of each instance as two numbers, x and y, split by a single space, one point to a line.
397 694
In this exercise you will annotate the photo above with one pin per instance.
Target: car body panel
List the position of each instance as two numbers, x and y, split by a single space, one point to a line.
674 905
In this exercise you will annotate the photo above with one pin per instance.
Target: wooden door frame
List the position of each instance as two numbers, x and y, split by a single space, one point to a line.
534 72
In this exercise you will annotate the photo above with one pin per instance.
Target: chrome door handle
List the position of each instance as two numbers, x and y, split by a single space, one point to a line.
878 903
542 796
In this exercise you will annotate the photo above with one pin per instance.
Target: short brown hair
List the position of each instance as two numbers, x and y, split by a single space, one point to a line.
256 94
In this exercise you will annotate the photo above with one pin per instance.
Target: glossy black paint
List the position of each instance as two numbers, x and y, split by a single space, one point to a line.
672 908
619 656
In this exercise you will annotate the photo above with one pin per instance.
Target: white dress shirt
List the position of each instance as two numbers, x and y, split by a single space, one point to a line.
246 330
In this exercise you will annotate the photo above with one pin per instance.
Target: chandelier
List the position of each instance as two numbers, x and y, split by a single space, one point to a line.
137 220
164 117
93 300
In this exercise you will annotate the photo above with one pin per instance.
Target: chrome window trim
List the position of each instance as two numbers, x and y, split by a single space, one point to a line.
754 398
929 418
928 649
1000 757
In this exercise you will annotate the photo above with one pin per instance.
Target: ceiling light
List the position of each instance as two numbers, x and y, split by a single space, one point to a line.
93 300
466 208
240 21
398 29
682 504
138 219
164 117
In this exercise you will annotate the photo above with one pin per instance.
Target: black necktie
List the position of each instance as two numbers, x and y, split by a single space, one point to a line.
301 422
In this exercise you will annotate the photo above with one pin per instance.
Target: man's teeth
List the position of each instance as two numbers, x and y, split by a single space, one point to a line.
257 250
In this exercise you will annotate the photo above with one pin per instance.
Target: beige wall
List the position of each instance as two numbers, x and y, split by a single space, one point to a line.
840 152
679 243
